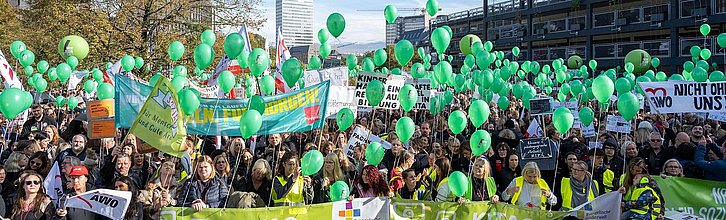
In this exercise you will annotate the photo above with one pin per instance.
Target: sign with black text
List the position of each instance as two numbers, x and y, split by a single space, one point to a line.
542 151
423 88
682 96
540 106
617 123
393 84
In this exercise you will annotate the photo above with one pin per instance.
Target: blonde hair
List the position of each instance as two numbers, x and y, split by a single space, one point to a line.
233 148
225 171
12 164
531 167
206 159
672 161
486 165
264 166
337 172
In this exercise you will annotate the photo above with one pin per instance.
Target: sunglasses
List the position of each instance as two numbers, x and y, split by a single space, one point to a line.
32 182
35 163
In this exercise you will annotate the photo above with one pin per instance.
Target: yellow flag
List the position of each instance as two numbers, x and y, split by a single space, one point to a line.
160 122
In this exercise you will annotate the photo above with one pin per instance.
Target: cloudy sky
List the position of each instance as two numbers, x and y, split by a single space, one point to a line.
362 27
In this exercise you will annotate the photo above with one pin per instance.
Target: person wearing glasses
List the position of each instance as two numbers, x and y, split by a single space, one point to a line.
32 203
79 181
672 168
657 154
221 165
39 163
38 121
579 188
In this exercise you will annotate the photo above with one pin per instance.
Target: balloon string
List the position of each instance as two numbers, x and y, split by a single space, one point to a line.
191 175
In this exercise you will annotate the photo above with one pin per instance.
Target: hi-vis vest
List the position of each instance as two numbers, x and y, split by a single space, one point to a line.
607 180
653 210
519 181
294 196
421 193
566 191
491 188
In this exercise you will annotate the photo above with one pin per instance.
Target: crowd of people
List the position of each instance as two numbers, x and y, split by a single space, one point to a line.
233 172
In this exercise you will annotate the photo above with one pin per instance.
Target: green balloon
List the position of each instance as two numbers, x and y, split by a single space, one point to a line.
257 103
440 38
479 112
52 74
443 71
64 72
42 66
676 77
380 57
407 96
105 91
593 64
655 62
178 83
314 63
89 86
203 55
175 50
189 101
458 183
515 51
457 121
28 70
488 46
717 76
390 13
622 85
72 102
323 35
325 50
374 153
628 105
250 123
138 62
351 61
706 54
344 119
403 52
41 85
335 24
699 74
243 59
695 51
705 29
73 45
639 59
267 84
375 90
466 42
60 101
154 79
418 71
368 64
480 142
259 60
587 115
661 76
16 48
432 7
603 88
563 119
234 43
292 71
721 39
72 61
226 81
574 62
26 58
127 63
9 100
208 37
526 98
339 191
405 129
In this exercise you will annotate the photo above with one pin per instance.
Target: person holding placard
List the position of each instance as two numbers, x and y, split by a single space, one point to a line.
529 190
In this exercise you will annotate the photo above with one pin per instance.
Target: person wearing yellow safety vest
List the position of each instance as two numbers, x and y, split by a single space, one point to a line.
529 190
602 175
636 167
289 188
413 187
482 186
579 188
443 169
644 203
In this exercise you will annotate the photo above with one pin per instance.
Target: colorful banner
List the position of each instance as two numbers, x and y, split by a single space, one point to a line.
605 207
9 77
682 96
706 199
297 111
160 122
106 202
341 95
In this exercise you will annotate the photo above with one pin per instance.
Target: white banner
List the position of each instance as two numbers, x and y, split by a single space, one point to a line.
424 90
106 202
570 105
605 207
617 123
365 208
358 137
589 131
53 184
717 116
10 78
204 91
341 95
338 76
682 96
393 84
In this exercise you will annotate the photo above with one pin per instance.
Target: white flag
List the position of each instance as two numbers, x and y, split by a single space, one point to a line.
75 79
534 130
224 63
605 207
10 78
53 184
106 202
282 55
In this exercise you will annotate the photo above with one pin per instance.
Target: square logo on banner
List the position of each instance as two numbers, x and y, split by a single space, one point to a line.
361 209
312 114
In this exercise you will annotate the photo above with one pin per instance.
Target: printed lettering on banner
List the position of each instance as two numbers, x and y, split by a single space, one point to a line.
617 123
540 106
363 136
393 84
338 76
589 131
364 208
682 96
570 105
423 88
594 145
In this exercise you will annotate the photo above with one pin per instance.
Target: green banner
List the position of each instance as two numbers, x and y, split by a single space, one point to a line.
411 209
703 198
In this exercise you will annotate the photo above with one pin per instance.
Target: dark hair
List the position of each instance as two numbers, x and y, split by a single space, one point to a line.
132 211
287 156
25 144
444 166
37 203
628 181
408 173
44 167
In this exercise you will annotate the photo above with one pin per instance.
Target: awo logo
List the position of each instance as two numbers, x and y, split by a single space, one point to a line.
659 97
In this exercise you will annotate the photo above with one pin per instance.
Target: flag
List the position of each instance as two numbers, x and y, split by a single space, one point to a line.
9 77
106 202
76 78
282 55
224 64
160 122
53 184
534 130
605 206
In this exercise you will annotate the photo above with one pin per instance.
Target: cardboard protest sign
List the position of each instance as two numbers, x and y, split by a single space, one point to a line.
393 84
424 90
617 123
363 136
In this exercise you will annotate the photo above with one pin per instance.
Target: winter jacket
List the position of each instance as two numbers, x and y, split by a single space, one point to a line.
213 193
713 170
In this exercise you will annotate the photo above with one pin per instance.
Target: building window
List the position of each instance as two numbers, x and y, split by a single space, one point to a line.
658 48
720 7
690 8
625 48
557 53
604 20
576 24
539 54
557 25
539 28
576 51
686 45
630 16
656 13
603 51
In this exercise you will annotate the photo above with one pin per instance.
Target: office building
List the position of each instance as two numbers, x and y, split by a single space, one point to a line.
295 17
403 25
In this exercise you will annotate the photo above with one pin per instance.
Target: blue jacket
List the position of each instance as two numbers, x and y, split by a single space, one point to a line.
215 194
713 170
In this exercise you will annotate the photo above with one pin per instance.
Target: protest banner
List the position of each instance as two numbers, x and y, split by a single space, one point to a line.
101 128
681 96
588 131
9 77
338 76
617 123
392 83
540 106
570 105
606 207
296 111
363 136
594 145
717 116
160 122
341 95
705 199
106 202
534 130
53 184
543 151
423 88
205 91
100 109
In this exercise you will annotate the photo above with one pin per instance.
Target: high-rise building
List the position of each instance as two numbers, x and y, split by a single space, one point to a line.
295 17
403 25
22 4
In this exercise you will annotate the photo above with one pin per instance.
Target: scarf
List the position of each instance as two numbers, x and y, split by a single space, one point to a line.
580 190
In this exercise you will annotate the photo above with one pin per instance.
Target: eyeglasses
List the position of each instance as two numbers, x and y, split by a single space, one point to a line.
674 167
578 170
32 182
655 140
35 163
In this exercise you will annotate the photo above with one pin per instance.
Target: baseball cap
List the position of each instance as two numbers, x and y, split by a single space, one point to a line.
79 171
